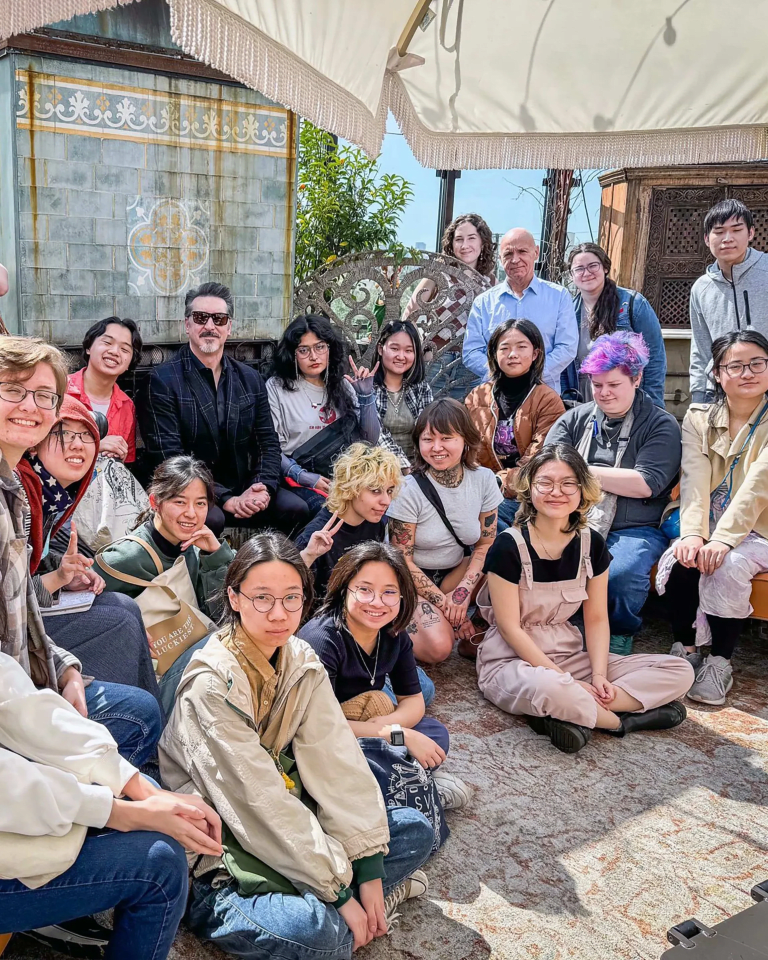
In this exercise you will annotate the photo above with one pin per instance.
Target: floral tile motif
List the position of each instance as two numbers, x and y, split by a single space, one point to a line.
119 112
167 245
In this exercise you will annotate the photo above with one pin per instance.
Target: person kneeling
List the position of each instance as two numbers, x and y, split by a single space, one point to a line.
540 573
257 730
359 634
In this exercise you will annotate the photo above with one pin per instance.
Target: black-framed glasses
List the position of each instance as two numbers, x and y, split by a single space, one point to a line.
736 368
318 348
593 267
567 487
69 436
389 597
13 392
201 317
263 602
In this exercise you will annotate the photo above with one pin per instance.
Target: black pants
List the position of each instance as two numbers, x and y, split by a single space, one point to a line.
683 601
286 512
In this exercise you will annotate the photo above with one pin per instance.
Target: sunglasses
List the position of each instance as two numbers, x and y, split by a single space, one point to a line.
200 317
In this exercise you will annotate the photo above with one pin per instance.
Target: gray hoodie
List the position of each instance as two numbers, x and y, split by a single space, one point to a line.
717 307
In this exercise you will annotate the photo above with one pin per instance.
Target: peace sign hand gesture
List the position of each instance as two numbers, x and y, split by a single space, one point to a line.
362 380
321 540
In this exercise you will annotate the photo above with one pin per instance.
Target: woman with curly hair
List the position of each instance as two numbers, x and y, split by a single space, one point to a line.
318 411
546 568
468 238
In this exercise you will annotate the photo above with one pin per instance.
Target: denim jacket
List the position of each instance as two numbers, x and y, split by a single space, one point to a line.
645 322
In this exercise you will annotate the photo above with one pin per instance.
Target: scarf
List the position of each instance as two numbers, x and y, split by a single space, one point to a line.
56 499
510 393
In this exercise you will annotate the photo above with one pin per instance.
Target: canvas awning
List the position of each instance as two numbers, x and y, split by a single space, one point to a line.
503 83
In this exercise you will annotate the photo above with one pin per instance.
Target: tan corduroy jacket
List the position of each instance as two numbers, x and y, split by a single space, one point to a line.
708 453
535 415
211 747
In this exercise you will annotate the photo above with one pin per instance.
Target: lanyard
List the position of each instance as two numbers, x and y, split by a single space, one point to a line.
744 446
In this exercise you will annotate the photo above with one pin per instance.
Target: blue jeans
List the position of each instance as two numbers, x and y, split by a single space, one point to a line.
131 715
142 875
634 552
300 927
507 510
427 688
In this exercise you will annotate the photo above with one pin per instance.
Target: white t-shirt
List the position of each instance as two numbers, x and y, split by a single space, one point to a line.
435 548
299 414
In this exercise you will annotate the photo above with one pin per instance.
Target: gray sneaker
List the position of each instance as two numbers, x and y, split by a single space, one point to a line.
695 659
713 681
453 792
414 886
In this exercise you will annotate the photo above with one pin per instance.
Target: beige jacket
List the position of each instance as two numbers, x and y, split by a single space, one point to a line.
211 747
708 453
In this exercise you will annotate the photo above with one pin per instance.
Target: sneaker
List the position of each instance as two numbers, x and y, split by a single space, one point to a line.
714 679
82 938
568 737
453 792
695 659
620 644
414 886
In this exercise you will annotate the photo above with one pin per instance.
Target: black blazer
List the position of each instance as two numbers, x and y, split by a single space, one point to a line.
178 416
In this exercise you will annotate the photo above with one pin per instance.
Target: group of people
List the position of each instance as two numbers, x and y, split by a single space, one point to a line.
276 691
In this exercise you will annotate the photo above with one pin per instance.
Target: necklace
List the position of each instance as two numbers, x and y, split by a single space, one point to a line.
376 661
543 545
312 404
396 404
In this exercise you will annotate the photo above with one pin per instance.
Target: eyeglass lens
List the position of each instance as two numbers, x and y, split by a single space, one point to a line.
201 317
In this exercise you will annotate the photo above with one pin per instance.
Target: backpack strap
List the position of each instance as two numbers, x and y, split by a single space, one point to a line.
632 310
433 497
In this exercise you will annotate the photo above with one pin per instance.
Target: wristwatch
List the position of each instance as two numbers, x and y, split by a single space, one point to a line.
396 735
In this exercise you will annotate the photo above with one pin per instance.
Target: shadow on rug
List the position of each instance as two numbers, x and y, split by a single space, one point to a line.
592 856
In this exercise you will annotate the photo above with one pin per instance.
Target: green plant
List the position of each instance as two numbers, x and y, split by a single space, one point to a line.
345 203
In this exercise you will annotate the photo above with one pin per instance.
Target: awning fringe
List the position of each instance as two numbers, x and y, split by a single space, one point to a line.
20 16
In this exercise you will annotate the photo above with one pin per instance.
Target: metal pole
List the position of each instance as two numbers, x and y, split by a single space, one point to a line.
448 180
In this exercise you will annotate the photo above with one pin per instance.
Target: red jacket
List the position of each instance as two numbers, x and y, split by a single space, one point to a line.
71 409
121 415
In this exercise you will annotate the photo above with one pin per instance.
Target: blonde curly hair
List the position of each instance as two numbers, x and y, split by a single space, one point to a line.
362 467
590 487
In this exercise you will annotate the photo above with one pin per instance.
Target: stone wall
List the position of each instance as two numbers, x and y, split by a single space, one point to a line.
127 188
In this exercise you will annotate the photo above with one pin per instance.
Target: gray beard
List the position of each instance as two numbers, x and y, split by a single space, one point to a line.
209 345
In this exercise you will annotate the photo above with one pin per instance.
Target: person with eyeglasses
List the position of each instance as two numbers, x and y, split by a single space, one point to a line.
318 409
360 635
314 865
604 307
542 572
206 405
723 541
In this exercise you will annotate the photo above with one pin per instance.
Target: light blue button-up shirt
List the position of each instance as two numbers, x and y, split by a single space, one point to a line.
546 304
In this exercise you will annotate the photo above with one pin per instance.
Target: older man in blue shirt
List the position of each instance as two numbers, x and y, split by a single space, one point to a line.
523 296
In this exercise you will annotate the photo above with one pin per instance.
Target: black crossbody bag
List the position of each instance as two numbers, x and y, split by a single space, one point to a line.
434 498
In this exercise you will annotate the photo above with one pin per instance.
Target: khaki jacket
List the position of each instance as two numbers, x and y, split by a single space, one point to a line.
535 415
211 747
708 452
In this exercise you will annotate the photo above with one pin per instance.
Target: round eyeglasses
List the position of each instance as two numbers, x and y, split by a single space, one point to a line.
737 368
13 392
318 348
590 268
567 487
263 602
390 598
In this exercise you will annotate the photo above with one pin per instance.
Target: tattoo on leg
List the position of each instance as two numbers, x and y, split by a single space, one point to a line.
412 627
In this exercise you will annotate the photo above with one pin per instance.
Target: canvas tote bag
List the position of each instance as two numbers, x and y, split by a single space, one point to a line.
168 607
109 509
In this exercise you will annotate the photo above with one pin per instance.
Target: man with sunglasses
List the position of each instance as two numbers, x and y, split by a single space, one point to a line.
206 405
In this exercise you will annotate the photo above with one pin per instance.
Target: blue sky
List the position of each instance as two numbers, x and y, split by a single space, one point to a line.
497 195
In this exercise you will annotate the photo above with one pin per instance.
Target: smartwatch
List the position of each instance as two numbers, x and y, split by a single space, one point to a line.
396 735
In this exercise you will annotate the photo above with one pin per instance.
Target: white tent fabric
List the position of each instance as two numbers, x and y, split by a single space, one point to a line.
503 83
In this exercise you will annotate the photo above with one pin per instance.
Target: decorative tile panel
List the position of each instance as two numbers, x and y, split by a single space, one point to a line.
113 111
167 245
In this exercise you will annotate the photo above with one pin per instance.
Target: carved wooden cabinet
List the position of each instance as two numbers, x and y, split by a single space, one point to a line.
652 225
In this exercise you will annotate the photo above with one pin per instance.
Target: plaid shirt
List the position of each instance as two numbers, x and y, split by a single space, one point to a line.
417 397
24 637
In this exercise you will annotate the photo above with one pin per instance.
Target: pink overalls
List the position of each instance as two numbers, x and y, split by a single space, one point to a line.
517 687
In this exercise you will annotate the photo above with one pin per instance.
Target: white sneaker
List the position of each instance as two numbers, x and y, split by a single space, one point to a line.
714 679
414 886
453 792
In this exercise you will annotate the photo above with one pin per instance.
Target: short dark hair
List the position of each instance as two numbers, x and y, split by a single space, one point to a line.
209 290
172 477
723 211
720 348
531 332
418 370
348 566
100 328
447 415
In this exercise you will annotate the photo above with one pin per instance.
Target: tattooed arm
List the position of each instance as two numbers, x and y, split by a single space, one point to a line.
403 536
459 598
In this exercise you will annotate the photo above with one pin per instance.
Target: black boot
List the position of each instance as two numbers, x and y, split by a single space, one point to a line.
568 737
660 718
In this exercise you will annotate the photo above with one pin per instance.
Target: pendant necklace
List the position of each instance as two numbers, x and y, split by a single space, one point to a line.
376 662
396 404
312 404
543 545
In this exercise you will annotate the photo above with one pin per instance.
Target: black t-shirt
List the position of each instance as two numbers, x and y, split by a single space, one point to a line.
344 660
605 443
504 559
347 537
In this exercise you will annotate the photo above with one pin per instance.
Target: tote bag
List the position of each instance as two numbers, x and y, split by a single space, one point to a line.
109 509
168 607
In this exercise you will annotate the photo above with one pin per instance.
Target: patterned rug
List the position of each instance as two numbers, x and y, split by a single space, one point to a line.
592 856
